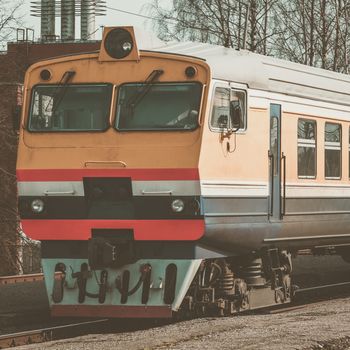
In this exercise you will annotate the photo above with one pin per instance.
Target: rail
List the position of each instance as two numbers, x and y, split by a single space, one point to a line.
21 278
34 277
301 300
48 334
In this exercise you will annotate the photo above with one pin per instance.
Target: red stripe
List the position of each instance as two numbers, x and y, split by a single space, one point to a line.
144 230
79 174
111 311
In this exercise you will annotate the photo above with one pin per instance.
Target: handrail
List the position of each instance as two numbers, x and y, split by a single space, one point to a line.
154 193
272 170
58 193
283 209
101 162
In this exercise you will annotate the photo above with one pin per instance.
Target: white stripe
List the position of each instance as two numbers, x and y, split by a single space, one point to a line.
166 188
50 188
303 192
139 188
217 188
314 191
208 188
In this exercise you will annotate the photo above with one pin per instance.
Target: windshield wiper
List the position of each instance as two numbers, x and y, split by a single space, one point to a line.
135 99
59 93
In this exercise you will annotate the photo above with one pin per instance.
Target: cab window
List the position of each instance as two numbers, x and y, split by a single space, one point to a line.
64 108
158 106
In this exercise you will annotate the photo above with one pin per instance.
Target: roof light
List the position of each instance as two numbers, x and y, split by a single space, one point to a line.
118 43
45 74
190 71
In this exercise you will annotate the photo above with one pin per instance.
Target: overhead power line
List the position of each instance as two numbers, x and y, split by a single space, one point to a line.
170 21
137 14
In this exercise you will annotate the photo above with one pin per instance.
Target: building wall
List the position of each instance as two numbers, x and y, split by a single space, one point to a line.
13 65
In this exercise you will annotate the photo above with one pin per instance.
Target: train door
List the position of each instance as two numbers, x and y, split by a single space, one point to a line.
275 196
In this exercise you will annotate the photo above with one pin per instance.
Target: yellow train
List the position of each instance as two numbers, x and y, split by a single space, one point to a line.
180 177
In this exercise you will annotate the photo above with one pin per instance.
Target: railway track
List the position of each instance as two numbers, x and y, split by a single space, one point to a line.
312 296
303 298
51 333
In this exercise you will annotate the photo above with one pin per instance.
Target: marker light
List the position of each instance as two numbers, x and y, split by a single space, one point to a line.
190 71
37 206
45 74
118 43
177 205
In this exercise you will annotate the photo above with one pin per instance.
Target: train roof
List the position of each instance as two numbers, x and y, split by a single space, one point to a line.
265 72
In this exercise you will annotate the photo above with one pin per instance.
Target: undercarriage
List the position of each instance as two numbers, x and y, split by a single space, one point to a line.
102 287
227 286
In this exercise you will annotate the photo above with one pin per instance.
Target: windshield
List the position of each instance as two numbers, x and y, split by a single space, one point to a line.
70 107
158 106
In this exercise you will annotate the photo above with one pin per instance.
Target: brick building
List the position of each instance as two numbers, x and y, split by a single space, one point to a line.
13 64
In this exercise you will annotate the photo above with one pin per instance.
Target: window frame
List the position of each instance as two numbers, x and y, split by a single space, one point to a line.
30 109
231 88
116 99
332 148
307 143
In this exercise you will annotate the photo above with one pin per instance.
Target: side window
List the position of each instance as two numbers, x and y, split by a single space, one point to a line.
221 108
306 148
229 109
332 151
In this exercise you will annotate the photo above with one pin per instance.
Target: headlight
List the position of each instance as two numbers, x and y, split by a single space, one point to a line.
177 205
37 206
118 43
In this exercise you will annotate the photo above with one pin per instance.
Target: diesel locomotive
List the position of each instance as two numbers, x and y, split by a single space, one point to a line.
166 178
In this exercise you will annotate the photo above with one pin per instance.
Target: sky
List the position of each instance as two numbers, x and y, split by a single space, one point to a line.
112 18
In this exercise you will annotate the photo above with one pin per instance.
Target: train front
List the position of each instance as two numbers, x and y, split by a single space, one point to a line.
108 177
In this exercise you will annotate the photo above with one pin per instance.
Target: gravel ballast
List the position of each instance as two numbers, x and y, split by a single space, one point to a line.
324 325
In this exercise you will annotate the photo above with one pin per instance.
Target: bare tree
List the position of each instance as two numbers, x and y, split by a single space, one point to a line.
221 22
312 32
10 18
345 35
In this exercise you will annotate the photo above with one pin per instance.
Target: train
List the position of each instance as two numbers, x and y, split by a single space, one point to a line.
176 179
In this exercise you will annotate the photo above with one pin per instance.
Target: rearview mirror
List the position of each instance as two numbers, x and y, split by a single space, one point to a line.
235 114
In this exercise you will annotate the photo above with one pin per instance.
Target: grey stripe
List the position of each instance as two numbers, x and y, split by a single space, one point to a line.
258 206
317 206
234 206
